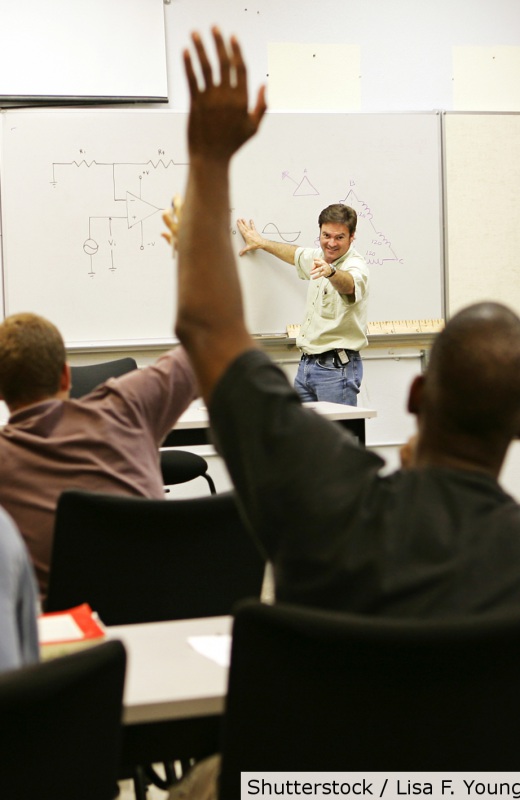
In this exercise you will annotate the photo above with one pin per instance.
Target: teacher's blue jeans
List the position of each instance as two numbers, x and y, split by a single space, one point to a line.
318 378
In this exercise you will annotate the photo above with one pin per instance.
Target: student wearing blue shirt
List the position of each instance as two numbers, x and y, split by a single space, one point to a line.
18 600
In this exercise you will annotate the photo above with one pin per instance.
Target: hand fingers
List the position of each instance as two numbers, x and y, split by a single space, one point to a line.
167 219
177 206
203 59
190 75
244 227
223 57
260 108
171 217
241 84
238 65
173 214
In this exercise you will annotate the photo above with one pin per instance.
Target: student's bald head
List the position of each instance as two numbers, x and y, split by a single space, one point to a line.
472 385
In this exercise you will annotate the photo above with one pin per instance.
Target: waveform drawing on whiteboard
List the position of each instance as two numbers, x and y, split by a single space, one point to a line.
271 229
378 251
129 182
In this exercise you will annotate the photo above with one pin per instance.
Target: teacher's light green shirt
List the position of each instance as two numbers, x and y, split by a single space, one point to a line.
333 320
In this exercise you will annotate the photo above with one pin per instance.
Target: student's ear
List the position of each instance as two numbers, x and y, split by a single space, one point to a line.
65 380
415 395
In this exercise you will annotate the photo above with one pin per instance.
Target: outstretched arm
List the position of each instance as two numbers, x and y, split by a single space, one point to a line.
210 317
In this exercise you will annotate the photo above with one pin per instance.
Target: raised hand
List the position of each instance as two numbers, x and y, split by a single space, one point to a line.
171 218
220 121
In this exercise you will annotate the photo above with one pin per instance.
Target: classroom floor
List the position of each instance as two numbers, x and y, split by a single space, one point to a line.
126 792
126 788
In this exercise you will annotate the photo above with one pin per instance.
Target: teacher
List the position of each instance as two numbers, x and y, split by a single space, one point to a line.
334 328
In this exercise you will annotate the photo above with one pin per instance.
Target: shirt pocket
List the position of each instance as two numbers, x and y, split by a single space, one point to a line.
328 303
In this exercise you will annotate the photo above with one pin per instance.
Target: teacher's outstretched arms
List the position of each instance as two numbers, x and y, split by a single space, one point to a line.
210 317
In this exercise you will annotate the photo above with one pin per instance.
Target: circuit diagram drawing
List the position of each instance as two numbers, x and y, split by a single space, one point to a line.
124 198
379 250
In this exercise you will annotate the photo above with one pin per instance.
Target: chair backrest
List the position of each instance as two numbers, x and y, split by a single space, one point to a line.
86 377
180 466
60 726
317 691
138 560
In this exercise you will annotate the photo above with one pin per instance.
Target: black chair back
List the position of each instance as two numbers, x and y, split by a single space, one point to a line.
138 560
181 466
86 377
315 691
60 726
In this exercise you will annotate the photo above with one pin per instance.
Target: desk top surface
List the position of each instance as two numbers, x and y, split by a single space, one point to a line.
196 416
166 677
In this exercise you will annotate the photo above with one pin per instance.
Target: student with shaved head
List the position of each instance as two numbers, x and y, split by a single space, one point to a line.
437 539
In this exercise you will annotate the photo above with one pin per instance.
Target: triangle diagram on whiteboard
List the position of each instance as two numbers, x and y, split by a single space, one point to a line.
137 210
305 188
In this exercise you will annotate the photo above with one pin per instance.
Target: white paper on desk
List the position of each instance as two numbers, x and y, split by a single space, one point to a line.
217 647
59 628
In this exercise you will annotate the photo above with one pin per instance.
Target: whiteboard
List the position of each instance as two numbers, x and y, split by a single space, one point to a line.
483 208
61 50
90 256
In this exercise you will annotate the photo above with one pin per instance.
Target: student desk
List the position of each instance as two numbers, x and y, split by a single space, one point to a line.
174 697
192 427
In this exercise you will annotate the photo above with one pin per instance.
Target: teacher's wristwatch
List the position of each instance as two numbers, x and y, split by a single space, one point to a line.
333 271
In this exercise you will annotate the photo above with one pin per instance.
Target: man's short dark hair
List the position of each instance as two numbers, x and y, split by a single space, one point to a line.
338 212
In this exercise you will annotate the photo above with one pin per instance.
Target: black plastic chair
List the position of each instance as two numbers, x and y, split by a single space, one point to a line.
136 560
321 691
60 726
139 560
85 377
181 466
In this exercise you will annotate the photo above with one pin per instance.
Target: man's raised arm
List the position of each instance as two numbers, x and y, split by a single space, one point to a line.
210 317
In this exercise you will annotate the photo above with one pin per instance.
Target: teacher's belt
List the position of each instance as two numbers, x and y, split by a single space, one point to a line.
338 357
